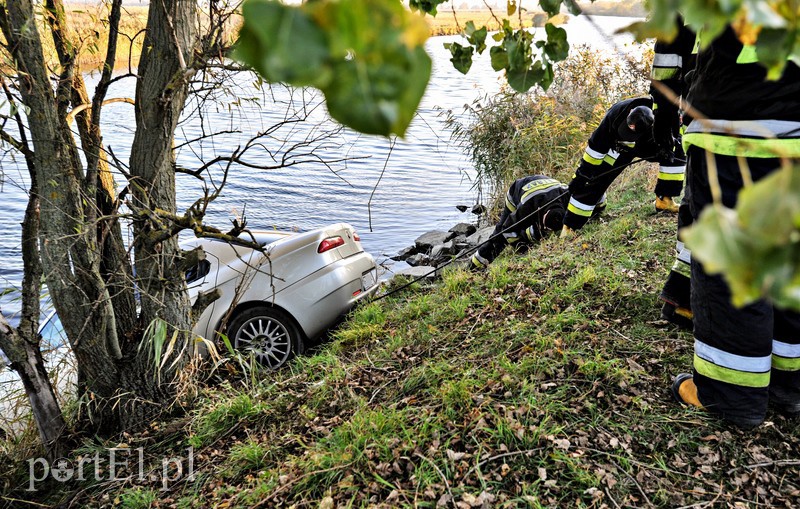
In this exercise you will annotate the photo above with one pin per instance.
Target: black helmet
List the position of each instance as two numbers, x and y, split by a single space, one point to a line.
554 218
642 118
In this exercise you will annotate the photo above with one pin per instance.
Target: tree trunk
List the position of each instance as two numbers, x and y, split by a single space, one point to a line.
26 359
22 345
160 96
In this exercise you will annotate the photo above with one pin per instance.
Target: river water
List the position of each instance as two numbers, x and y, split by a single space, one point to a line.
391 191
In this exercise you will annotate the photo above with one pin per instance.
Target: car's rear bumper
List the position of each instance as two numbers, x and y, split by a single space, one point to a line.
319 299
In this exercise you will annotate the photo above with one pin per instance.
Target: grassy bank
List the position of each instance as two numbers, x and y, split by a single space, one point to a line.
542 383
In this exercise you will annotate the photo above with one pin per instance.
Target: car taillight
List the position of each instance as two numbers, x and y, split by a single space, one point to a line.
330 243
356 237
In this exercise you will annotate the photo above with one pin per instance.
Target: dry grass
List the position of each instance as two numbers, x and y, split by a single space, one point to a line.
452 21
89 23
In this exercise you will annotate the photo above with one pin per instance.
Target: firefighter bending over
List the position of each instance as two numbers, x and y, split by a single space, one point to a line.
534 207
626 132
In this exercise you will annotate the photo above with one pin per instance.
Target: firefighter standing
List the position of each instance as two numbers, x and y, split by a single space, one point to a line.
673 62
625 132
534 207
743 357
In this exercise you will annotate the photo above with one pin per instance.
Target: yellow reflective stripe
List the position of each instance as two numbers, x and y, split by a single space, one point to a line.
677 177
731 376
682 268
479 261
785 363
785 356
663 73
579 212
745 147
545 184
529 233
591 160
510 206
609 159
747 55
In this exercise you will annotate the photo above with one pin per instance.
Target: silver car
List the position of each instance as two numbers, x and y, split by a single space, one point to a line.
272 301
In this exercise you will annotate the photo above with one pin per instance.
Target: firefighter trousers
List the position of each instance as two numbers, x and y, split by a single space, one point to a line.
743 357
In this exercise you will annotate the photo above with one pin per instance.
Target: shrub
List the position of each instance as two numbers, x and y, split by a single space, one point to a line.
510 135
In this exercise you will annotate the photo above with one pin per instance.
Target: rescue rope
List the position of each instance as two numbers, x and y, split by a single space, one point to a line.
472 250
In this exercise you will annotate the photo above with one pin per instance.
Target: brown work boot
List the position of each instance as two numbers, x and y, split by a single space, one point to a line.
676 315
666 204
685 391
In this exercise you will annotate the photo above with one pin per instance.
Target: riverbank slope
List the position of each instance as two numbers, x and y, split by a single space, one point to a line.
542 382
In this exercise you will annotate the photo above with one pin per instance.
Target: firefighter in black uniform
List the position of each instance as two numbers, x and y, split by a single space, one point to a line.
534 207
625 132
672 64
743 357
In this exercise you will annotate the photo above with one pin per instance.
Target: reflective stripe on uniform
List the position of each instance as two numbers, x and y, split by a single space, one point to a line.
510 204
731 368
683 262
785 356
592 156
538 187
580 209
611 157
667 60
479 260
671 172
529 233
665 66
685 255
748 138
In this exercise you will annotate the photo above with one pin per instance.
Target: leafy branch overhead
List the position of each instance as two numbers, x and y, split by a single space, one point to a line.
524 68
772 27
366 56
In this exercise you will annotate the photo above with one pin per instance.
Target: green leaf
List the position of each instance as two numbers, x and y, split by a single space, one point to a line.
551 7
426 6
511 7
462 57
522 80
366 56
499 58
757 246
557 47
275 38
773 48
379 99
476 37
518 46
573 8
717 240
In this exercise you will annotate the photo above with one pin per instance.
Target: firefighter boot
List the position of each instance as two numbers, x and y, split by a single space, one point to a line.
676 315
666 204
685 391
787 401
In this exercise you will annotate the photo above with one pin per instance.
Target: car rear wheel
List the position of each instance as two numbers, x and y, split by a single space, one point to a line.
268 333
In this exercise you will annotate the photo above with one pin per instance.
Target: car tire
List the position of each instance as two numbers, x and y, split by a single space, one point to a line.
270 334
